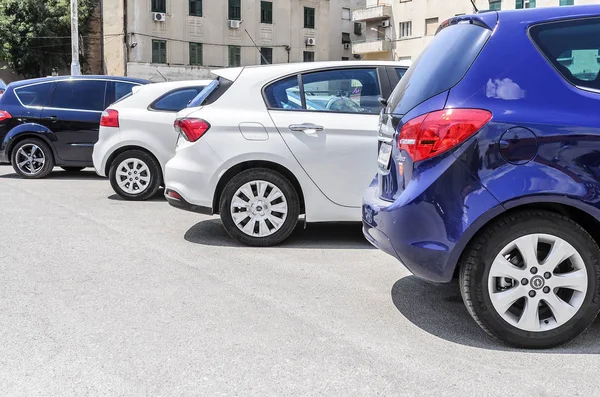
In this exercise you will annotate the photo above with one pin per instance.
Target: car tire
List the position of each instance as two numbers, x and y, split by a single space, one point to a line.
72 169
41 155
555 303
275 219
135 175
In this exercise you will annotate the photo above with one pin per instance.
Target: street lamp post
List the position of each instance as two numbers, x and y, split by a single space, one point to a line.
75 66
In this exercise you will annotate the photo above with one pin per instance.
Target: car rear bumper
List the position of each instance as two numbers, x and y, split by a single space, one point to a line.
177 201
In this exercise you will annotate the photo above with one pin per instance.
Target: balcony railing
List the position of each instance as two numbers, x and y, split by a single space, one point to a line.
377 12
365 47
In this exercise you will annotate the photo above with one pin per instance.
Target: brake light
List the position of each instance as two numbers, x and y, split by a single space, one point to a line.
110 118
434 133
191 129
4 115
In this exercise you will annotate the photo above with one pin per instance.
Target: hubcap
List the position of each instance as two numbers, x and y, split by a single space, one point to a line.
30 159
259 208
538 282
133 176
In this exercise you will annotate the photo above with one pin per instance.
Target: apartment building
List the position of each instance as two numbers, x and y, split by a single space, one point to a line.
182 39
401 29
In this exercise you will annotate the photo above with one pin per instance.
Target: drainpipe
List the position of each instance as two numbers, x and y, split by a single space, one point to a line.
125 37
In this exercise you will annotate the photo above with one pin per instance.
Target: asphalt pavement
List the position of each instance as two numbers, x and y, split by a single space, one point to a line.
104 297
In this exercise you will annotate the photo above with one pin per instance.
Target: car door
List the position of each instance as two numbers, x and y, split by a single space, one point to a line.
74 117
328 119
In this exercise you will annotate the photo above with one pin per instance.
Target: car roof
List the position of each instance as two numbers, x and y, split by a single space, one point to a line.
545 14
22 83
289 68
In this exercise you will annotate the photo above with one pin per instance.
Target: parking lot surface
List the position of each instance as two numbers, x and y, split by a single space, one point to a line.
106 297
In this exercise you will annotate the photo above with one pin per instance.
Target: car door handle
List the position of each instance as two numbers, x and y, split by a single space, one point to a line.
52 118
307 128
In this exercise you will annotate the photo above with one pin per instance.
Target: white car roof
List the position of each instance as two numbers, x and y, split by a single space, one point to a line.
289 68
146 94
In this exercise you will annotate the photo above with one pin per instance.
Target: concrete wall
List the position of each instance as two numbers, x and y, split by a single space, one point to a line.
114 45
92 44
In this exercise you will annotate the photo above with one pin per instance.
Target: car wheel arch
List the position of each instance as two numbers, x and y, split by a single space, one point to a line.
124 149
237 168
15 139
563 206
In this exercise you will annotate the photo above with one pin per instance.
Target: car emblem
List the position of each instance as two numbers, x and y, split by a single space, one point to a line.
537 282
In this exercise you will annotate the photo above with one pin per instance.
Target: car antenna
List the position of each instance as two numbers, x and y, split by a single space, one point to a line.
255 46
161 75
474 6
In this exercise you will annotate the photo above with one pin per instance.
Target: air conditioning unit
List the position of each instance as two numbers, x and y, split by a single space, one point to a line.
159 16
346 46
385 24
311 41
234 24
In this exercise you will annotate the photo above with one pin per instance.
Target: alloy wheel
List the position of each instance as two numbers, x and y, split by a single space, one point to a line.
30 159
259 208
133 176
537 282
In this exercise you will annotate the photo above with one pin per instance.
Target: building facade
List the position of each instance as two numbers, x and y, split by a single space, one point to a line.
401 29
181 39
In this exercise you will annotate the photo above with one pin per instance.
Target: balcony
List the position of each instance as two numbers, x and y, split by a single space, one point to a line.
375 12
365 47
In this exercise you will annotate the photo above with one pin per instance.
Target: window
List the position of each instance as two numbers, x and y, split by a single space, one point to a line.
346 38
284 94
80 94
346 15
267 56
235 56
566 2
405 29
159 6
358 28
266 12
122 89
345 59
34 95
196 8
176 100
400 72
572 47
431 26
524 4
495 5
159 51
195 54
309 18
309 56
235 10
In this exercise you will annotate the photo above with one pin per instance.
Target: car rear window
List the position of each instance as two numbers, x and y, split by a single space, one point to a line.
572 48
440 66
34 95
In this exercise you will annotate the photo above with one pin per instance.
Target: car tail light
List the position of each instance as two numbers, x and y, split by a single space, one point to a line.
191 129
174 194
110 118
434 133
4 115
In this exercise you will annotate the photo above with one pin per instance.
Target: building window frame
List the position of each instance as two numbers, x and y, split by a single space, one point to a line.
159 52
266 12
158 6
495 5
195 8
196 55
520 4
308 56
566 2
405 29
309 17
234 10
266 53
435 20
235 56
346 10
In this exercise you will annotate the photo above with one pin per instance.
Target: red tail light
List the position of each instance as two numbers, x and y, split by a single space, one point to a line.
4 115
434 133
110 118
191 129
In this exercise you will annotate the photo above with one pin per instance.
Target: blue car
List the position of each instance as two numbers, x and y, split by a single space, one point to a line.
489 170
54 121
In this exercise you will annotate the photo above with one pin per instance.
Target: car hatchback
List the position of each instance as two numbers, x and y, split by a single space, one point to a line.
489 168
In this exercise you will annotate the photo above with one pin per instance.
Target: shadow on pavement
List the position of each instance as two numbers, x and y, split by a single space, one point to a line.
318 236
62 175
159 196
439 310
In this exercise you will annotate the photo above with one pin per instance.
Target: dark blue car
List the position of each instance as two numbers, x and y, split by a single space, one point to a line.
54 121
489 170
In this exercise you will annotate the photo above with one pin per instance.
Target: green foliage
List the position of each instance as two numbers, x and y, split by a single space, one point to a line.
36 34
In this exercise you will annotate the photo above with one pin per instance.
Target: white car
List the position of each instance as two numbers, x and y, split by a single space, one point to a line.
136 137
279 141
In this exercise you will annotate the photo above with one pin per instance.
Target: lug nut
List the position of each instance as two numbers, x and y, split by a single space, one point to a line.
524 281
533 270
547 275
532 293
546 289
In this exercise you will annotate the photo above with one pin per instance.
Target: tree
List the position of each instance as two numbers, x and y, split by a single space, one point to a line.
36 34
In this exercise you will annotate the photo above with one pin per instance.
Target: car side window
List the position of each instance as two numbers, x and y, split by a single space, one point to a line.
34 95
176 100
284 94
80 95
572 47
122 89
343 91
400 72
